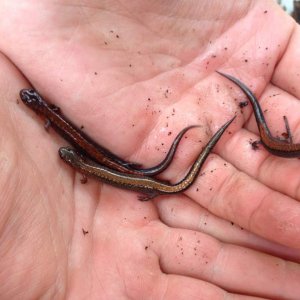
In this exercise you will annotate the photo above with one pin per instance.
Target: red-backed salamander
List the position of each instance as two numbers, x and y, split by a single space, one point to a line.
280 147
146 185
85 144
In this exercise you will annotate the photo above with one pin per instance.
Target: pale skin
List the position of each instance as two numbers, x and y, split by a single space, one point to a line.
134 73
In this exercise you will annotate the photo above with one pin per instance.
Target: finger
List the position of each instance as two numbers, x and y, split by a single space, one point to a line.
289 81
182 212
279 174
239 198
233 268
182 288
259 163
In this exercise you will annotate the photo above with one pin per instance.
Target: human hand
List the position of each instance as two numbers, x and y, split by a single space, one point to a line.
143 71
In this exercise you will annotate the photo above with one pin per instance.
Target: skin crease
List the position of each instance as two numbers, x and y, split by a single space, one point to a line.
134 73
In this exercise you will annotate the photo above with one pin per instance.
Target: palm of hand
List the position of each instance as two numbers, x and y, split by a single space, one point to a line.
131 246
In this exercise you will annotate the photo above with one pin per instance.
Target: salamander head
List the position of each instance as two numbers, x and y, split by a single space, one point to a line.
30 97
70 156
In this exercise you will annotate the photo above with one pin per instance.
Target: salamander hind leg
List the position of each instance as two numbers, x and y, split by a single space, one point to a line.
148 196
289 138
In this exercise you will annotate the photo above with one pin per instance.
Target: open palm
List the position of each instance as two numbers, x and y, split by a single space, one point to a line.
134 73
